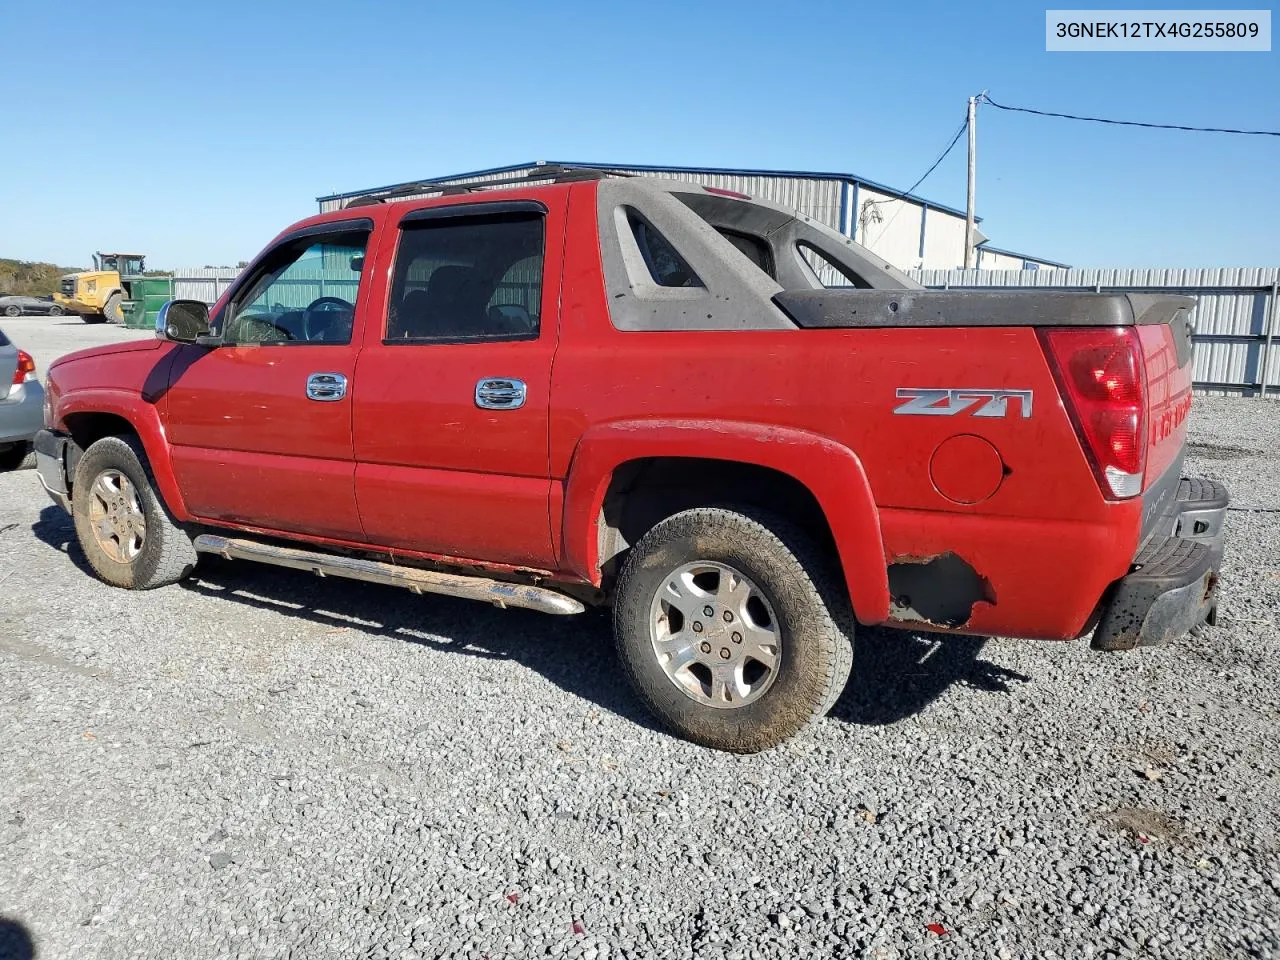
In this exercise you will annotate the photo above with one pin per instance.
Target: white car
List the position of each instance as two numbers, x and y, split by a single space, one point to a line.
21 404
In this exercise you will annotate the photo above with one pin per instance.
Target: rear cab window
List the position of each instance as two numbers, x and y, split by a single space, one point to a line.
470 277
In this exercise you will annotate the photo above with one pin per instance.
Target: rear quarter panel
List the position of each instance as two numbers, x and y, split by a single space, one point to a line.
1046 540
1046 543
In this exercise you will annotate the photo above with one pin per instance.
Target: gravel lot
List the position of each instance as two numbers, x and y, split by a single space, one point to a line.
47 338
264 764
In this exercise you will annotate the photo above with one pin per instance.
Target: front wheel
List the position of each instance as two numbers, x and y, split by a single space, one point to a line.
112 309
55 311
732 627
125 530
12 311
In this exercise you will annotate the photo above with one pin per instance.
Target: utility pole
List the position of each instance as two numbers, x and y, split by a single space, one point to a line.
973 182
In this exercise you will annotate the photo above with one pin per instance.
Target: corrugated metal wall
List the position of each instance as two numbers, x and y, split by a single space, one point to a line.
328 205
813 197
818 198
202 283
1235 319
907 233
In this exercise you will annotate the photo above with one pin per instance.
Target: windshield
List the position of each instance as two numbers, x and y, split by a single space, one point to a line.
121 263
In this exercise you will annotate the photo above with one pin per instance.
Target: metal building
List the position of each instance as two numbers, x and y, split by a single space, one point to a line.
908 231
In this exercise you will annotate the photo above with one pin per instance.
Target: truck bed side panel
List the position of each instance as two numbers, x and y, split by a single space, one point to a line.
1044 513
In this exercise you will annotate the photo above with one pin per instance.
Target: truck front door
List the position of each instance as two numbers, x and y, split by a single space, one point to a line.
260 426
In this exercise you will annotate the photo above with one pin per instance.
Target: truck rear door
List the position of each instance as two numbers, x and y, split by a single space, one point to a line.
453 383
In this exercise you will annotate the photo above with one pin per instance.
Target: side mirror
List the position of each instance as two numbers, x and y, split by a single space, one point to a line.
182 321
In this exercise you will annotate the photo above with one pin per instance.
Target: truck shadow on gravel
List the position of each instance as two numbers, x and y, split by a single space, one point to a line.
15 941
896 674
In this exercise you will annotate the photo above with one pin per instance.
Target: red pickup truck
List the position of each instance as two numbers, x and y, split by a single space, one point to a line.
745 432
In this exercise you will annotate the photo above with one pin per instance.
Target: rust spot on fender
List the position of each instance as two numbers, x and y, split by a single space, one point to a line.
938 590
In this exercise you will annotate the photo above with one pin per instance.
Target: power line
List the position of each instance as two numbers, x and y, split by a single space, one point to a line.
964 124
942 156
1132 123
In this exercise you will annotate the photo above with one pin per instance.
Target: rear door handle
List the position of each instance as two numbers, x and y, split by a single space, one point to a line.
326 386
500 393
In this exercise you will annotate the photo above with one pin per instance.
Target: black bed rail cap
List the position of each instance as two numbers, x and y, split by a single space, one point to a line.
818 309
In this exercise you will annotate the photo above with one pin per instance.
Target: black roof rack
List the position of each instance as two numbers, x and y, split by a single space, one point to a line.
554 173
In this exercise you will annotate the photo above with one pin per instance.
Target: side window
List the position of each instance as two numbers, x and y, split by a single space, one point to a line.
666 266
830 274
469 278
304 292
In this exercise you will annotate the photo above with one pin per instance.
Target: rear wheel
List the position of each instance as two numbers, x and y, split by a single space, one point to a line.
732 627
55 311
112 310
127 534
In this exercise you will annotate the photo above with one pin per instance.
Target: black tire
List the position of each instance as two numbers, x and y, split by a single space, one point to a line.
12 311
55 311
166 555
112 311
15 457
808 598
93 318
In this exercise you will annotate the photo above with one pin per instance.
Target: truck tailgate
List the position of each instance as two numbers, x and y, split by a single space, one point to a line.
1166 351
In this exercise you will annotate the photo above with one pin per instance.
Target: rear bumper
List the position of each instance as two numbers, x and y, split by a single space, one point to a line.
51 466
1173 584
21 412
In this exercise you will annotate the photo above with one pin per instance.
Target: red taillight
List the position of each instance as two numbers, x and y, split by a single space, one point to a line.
1100 373
26 368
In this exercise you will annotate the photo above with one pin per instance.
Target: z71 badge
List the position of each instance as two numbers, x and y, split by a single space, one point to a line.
948 401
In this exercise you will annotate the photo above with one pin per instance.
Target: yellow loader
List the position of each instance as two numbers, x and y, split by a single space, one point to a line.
97 295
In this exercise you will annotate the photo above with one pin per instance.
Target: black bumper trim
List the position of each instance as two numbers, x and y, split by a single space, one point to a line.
1173 585
51 466
1201 513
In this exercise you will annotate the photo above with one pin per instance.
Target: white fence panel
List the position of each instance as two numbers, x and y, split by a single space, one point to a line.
1235 319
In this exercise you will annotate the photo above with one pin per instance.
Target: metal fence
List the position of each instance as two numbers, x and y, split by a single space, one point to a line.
1234 320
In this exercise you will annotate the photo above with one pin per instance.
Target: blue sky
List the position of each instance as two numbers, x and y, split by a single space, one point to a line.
195 132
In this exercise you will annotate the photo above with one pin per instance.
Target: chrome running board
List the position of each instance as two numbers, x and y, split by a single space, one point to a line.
410 578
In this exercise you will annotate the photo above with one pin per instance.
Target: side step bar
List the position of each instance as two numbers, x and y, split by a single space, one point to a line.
410 578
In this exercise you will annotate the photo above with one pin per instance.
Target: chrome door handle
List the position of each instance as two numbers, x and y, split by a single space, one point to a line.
326 386
500 393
